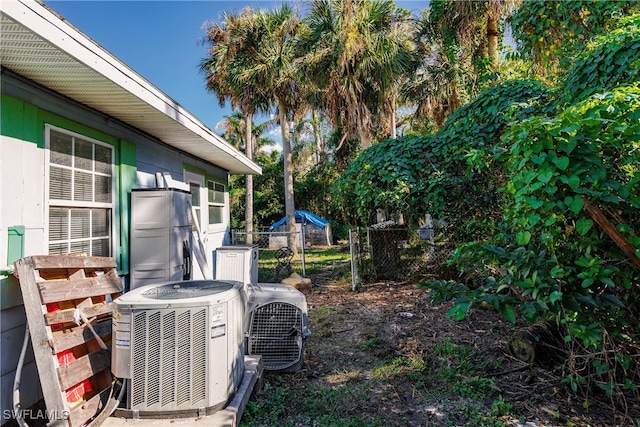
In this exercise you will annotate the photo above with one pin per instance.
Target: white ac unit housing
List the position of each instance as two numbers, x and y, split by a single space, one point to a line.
276 321
277 325
180 345
237 262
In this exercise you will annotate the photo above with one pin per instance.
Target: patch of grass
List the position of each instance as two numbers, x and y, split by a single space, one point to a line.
267 408
459 374
323 405
369 344
400 369
317 260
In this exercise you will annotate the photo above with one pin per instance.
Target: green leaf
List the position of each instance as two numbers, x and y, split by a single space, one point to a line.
574 182
555 296
569 146
509 313
528 310
523 237
538 159
588 282
534 202
575 204
561 162
583 225
545 176
572 129
611 299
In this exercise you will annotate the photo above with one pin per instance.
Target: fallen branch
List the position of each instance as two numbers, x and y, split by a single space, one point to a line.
612 231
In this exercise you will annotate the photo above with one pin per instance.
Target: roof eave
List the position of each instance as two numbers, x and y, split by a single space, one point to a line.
96 78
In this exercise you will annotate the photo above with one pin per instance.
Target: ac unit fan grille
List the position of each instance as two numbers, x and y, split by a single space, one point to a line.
169 359
276 335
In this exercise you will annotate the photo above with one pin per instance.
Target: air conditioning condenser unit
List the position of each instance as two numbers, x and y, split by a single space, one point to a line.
180 346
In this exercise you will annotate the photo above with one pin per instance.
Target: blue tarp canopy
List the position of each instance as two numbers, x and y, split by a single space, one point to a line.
303 216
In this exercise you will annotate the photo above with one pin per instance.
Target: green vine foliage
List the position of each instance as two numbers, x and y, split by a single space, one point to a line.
553 32
452 174
548 249
548 258
551 253
610 60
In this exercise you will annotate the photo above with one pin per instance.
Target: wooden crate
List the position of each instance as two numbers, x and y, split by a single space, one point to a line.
74 369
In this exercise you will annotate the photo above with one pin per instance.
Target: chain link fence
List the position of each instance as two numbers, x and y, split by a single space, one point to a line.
274 264
396 254
376 254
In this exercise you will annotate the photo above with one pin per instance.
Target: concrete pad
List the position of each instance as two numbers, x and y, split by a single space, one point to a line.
228 417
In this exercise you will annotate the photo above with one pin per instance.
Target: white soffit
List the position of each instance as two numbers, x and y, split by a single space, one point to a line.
37 44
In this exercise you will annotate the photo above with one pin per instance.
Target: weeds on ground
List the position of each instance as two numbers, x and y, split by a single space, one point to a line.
448 376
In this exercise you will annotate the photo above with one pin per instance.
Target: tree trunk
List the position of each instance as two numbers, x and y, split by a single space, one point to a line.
393 117
317 132
365 141
289 206
248 213
492 42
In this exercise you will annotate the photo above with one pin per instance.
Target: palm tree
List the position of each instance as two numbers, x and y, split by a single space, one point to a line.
451 38
231 51
353 54
273 64
234 131
434 88
473 23
233 127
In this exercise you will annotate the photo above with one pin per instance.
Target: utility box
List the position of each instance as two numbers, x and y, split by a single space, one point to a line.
237 262
161 236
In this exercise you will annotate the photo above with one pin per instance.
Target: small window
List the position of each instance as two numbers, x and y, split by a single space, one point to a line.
80 195
195 202
216 202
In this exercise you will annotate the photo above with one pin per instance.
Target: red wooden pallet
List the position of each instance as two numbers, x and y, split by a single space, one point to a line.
74 370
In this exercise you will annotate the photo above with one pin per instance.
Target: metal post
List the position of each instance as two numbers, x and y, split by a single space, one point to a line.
303 244
354 270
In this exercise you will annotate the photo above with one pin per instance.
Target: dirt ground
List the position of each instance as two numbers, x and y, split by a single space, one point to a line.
356 332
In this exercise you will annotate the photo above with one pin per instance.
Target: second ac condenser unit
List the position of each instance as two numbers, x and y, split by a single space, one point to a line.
277 325
237 262
180 345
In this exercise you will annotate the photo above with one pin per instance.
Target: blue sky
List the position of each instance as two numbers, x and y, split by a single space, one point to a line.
161 41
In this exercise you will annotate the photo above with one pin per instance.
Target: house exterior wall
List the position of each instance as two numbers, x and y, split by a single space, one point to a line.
26 110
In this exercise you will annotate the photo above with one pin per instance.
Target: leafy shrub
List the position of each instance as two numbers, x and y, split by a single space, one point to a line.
610 60
548 256
452 174
553 252
553 32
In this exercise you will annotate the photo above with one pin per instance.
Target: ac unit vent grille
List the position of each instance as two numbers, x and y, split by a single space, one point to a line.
199 358
276 334
153 359
139 352
169 359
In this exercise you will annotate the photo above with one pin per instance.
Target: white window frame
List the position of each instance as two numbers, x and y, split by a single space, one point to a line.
224 204
198 179
70 204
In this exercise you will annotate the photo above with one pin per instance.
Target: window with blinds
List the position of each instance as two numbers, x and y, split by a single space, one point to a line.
216 202
80 194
